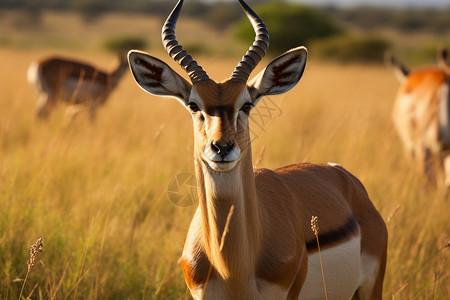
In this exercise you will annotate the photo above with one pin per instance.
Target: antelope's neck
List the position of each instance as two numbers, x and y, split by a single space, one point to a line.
232 246
118 73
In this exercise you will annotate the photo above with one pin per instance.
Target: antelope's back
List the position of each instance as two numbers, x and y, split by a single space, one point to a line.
335 196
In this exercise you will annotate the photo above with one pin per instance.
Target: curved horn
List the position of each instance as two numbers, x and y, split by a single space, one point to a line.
176 51
257 51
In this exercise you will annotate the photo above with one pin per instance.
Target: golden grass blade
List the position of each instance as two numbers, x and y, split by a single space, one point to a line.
315 229
406 282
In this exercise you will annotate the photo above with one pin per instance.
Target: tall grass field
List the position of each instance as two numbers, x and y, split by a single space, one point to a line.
99 194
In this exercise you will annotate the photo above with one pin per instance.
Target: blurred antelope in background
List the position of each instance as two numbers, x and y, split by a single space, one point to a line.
76 83
421 116
251 237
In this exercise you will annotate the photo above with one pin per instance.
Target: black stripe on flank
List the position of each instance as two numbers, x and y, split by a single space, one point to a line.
329 238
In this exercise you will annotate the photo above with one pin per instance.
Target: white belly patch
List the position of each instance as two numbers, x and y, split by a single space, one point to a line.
341 267
342 271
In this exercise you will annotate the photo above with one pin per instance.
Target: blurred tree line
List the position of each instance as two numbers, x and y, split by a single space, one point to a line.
222 14
405 20
323 28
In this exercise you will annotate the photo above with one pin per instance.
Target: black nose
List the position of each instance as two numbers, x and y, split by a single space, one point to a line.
222 149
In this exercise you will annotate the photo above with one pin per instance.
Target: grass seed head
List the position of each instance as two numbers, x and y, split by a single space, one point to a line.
315 224
34 250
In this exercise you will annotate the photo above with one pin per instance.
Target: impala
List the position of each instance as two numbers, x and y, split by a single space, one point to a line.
421 116
59 79
250 237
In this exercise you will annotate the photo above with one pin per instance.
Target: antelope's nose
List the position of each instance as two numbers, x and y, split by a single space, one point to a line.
222 149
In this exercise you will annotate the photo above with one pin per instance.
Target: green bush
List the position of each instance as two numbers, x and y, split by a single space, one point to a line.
289 25
91 10
419 56
221 15
350 49
197 49
124 43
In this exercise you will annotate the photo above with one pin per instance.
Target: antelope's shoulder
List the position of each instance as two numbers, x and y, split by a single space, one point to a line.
195 270
194 261
195 265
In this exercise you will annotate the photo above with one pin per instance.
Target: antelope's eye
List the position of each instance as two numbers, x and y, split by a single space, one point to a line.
247 107
193 107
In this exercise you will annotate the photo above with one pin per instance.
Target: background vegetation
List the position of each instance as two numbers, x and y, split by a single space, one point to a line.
97 193
289 25
302 24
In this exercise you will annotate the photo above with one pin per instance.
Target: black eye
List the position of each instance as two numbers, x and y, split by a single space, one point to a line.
247 107
193 107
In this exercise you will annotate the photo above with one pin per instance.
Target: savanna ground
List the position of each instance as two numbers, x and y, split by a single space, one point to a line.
97 193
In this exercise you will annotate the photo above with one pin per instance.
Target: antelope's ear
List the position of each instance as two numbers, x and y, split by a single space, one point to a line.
281 75
443 57
400 70
156 77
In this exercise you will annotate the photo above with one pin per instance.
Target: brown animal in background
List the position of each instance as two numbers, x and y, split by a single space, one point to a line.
421 116
76 83
250 237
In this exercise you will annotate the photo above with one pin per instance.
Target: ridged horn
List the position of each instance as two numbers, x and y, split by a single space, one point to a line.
176 51
257 51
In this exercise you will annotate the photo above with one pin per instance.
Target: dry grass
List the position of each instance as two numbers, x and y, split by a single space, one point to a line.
97 194
315 229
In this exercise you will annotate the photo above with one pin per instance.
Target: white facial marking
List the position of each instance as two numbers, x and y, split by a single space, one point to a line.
214 159
217 163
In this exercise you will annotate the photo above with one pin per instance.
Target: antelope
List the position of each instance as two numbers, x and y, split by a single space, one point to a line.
58 79
421 116
250 237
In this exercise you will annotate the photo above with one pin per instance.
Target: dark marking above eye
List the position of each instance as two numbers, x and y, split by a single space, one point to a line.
220 110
